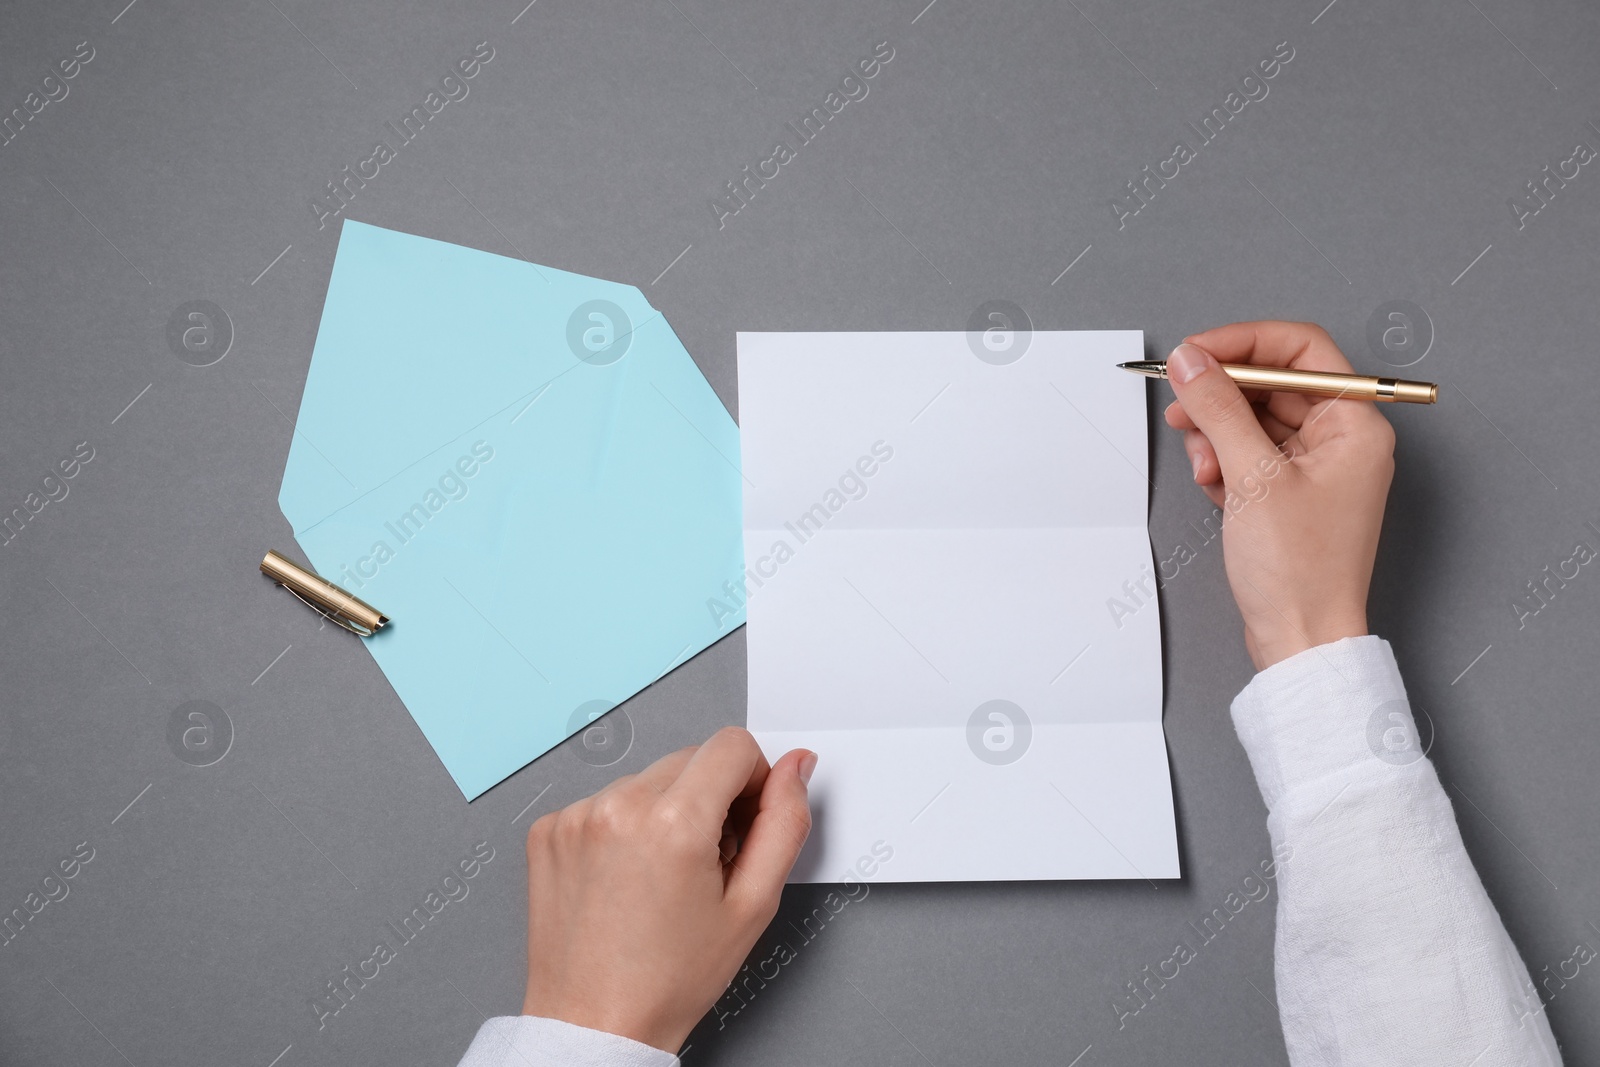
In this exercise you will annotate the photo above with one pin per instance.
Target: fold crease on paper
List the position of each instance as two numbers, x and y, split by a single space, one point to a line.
934 621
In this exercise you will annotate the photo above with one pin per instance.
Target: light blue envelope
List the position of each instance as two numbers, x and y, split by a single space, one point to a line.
550 534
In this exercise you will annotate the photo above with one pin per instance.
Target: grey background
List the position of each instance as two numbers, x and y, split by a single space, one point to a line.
982 163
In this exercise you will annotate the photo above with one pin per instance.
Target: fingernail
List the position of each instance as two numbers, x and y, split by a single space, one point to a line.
808 764
1194 461
1187 363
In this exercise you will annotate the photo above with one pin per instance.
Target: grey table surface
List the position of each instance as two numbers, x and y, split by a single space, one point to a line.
180 163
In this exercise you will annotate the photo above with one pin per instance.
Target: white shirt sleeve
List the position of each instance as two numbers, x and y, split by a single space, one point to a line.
532 1041
1388 950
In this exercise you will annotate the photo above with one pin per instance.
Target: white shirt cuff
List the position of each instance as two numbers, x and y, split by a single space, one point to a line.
532 1041
1326 712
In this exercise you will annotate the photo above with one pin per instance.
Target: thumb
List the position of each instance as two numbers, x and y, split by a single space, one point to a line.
779 830
1218 409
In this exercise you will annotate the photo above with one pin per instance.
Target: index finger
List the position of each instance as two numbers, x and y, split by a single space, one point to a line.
1299 345
728 766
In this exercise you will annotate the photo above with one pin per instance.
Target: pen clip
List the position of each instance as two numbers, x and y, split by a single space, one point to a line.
359 631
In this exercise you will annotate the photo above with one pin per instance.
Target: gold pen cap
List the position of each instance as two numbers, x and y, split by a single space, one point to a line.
323 597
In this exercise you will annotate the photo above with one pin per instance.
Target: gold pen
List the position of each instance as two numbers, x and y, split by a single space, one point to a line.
1313 382
323 597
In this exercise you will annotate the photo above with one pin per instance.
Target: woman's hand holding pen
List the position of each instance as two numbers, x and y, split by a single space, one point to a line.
1302 482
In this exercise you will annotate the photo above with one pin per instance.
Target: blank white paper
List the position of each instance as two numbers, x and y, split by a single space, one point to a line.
933 543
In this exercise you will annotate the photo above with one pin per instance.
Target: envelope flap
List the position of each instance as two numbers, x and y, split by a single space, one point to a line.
420 341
